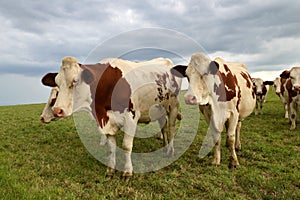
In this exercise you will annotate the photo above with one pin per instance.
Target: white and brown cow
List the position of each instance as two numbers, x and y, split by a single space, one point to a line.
119 94
225 92
47 114
293 88
280 90
261 89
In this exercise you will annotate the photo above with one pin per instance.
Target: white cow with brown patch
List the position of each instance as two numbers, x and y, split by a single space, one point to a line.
293 87
280 90
119 94
227 91
261 89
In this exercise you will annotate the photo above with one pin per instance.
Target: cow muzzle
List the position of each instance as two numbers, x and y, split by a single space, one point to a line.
297 87
190 99
58 112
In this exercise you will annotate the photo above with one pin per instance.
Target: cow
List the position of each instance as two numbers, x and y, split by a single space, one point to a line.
280 90
225 92
47 114
119 93
293 88
261 89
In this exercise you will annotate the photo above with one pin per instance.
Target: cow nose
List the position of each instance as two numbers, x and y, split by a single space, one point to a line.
278 93
58 112
190 99
259 92
42 119
297 87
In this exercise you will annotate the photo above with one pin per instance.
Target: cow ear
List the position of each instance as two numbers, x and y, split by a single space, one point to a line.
87 76
49 80
179 71
268 82
213 67
285 74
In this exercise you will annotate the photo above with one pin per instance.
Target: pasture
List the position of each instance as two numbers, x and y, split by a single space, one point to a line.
49 161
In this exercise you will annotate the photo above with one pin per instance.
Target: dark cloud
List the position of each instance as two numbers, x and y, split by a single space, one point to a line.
36 35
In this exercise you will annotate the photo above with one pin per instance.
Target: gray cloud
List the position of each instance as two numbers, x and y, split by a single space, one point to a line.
36 35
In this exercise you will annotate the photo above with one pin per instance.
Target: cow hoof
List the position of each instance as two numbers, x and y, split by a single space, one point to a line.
126 176
110 172
233 164
216 163
238 148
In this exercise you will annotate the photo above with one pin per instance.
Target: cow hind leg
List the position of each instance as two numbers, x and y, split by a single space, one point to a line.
238 145
171 130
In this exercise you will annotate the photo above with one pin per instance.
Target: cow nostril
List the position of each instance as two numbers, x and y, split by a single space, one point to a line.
57 112
42 119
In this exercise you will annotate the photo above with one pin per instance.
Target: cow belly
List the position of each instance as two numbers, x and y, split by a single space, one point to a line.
150 106
247 104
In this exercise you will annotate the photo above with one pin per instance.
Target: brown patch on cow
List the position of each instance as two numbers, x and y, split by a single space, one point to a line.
53 100
109 91
239 99
282 83
247 77
161 82
290 90
227 88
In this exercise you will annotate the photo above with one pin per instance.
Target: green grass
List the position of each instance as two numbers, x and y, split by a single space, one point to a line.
49 161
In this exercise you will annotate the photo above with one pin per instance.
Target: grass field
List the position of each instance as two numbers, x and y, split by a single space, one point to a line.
49 161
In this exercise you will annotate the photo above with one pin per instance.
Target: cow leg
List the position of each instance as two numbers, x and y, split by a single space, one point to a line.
238 145
172 129
233 123
127 147
286 111
111 141
217 153
261 105
163 127
293 115
256 108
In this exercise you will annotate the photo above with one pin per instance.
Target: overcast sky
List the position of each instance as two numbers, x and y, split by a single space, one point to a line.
36 35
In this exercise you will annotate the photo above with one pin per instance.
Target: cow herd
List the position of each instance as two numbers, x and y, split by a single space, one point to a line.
120 94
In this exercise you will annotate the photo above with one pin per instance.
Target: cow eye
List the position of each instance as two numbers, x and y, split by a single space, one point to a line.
75 82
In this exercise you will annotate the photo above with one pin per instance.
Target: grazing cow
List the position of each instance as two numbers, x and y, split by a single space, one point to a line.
227 91
261 89
280 90
119 93
47 114
293 88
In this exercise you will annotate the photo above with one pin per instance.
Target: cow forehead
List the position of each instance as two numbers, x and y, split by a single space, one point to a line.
68 72
295 71
258 81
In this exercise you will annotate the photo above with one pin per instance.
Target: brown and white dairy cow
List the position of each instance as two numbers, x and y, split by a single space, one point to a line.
119 94
261 89
293 88
227 92
47 114
280 90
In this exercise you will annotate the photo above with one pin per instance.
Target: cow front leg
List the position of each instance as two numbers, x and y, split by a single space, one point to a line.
111 141
261 105
231 132
286 111
256 108
171 130
293 115
127 147
217 153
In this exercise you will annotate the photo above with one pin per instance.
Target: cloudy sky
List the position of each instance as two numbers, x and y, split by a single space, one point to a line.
36 35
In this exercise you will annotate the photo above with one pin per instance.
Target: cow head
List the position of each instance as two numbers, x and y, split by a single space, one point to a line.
294 75
66 80
277 85
47 114
199 66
